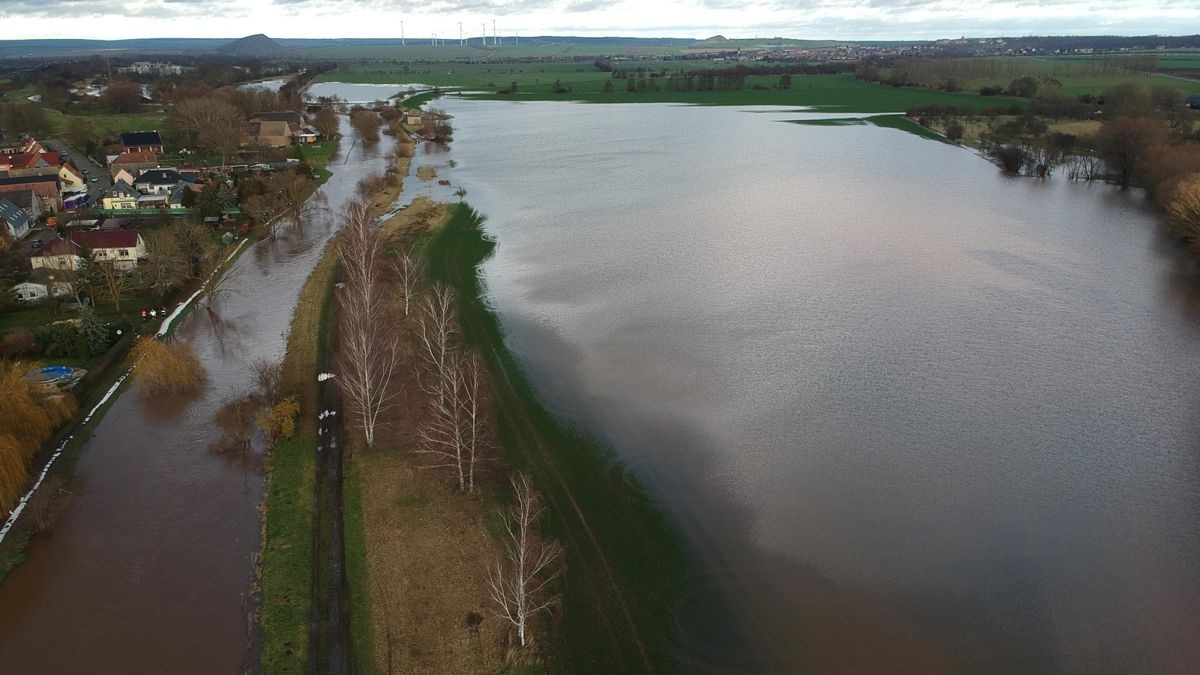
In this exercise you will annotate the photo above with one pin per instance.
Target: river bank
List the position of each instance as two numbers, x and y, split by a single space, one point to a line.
623 561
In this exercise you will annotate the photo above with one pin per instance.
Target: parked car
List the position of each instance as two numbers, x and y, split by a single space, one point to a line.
95 180
37 243
64 154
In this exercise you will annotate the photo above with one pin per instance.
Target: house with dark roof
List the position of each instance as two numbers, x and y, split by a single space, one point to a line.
157 181
120 196
141 141
14 221
122 248
24 199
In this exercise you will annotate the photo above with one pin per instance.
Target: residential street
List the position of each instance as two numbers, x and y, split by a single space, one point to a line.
82 162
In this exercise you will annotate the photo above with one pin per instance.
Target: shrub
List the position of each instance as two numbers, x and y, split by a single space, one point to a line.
1011 158
280 420
165 368
954 131
1184 207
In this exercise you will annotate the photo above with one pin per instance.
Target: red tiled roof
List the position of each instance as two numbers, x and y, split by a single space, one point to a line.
106 239
74 243
58 246
136 158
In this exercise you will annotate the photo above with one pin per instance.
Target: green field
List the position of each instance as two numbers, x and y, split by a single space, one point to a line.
535 83
489 75
1077 74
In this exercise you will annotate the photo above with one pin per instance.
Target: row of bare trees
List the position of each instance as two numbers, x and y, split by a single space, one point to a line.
370 353
453 436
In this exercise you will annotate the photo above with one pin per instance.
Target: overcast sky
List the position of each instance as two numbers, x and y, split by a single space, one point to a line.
835 19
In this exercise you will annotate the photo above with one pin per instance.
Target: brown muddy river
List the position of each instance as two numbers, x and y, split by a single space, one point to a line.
149 570
911 415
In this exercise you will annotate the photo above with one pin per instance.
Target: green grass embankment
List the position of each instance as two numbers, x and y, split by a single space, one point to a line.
285 576
623 562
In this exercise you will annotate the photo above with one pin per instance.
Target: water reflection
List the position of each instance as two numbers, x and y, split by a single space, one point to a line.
911 414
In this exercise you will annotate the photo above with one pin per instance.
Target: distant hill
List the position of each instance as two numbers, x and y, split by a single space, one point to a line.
254 46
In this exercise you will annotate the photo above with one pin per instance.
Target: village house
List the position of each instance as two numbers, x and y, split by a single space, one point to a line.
277 130
26 200
123 175
133 163
141 141
157 181
14 221
42 284
43 164
122 248
266 134
120 196
45 189
19 146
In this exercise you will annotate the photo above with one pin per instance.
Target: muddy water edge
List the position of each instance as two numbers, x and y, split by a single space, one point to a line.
150 567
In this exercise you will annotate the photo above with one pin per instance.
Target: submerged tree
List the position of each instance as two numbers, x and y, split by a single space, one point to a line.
518 582
163 368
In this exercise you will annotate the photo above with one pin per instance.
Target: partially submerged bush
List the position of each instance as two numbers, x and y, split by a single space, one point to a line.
165 367
1184 207
279 421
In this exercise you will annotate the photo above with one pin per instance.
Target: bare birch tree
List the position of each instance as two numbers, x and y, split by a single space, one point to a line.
453 434
370 351
436 337
519 579
409 270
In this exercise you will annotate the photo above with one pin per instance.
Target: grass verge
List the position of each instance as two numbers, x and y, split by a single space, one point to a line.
285 572
624 563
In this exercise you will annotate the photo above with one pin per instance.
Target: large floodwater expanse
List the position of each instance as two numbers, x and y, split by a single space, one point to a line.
911 415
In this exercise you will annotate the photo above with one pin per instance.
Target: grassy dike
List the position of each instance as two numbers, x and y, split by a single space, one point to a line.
623 562
286 566
286 570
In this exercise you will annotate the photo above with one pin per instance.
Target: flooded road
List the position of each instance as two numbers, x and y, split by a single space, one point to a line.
149 569
910 414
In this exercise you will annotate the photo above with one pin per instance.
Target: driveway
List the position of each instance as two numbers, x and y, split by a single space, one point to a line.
81 162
